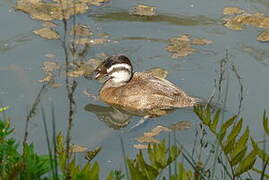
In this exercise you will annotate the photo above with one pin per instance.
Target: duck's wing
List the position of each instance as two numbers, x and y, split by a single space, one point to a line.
149 92
164 87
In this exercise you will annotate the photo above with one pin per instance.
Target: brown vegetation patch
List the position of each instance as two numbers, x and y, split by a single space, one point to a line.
238 22
263 36
143 10
55 9
80 30
182 45
47 33
232 11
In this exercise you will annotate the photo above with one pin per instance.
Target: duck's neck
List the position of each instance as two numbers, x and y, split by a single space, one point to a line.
119 78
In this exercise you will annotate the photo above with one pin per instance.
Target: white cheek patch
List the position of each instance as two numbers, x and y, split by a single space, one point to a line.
118 66
120 76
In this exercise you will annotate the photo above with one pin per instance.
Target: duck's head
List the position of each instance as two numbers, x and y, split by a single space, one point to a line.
118 69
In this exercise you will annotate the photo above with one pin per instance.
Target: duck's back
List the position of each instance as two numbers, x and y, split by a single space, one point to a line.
144 93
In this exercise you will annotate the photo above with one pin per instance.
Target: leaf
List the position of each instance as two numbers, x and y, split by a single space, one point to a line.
95 171
265 123
235 131
238 157
213 125
174 152
183 174
202 113
260 172
225 126
208 116
149 171
110 176
157 155
240 146
247 163
91 154
3 108
261 153
135 173
115 175
229 146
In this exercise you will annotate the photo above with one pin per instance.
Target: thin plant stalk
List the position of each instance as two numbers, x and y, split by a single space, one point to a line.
191 161
70 87
32 112
124 157
265 163
169 145
216 142
54 141
175 142
48 142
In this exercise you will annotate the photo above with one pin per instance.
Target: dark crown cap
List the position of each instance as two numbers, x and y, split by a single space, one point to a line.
120 59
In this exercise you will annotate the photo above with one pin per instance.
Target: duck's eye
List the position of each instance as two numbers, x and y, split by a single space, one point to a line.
98 70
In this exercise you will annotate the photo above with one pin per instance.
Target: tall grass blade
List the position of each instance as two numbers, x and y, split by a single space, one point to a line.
48 142
55 159
126 163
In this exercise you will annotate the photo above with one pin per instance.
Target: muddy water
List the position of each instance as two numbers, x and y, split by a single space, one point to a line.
144 41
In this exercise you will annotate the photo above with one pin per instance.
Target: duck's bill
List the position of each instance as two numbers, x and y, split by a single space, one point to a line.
100 76
97 74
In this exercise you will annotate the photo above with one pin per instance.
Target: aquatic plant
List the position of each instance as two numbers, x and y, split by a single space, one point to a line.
160 157
235 156
262 154
233 146
16 165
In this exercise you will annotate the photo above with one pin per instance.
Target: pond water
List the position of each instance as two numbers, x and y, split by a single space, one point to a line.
144 41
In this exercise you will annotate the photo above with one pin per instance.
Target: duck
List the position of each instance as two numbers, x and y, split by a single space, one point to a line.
140 93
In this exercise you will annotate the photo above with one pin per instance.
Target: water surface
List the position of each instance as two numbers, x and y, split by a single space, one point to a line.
143 40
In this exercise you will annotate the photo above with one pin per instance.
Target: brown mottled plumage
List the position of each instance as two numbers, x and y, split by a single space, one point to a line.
141 93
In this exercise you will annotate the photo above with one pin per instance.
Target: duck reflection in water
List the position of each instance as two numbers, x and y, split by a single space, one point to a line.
111 116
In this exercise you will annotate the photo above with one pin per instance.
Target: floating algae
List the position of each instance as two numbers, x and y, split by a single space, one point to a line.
263 36
242 18
89 41
182 45
238 22
47 33
232 11
143 10
80 30
56 9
